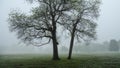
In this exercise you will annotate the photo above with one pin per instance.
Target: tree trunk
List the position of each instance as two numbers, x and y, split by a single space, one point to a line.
55 47
71 43
55 43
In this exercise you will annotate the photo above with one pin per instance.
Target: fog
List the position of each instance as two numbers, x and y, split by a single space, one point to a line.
107 29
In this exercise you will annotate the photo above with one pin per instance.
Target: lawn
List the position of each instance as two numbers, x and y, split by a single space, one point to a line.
44 61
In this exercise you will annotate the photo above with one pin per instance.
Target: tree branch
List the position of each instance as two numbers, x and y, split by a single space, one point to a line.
38 44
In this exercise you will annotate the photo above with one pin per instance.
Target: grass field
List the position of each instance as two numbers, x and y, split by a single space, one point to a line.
44 61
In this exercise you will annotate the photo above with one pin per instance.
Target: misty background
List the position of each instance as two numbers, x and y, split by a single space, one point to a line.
107 29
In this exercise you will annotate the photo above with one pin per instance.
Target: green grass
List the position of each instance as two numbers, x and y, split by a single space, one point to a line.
44 61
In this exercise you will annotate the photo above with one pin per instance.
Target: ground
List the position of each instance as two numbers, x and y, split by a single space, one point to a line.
44 61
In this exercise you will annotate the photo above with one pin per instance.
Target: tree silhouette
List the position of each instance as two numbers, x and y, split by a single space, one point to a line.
39 27
64 49
80 21
113 46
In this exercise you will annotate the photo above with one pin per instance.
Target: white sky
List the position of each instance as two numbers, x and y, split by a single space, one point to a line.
108 22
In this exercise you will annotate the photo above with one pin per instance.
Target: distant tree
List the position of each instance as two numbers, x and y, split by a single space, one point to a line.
114 46
80 21
39 28
105 43
76 48
64 49
119 44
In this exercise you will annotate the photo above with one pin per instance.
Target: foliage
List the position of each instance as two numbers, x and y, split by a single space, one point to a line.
40 24
40 27
114 45
80 21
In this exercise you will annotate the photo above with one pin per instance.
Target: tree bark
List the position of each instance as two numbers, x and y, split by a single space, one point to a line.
55 43
55 48
71 43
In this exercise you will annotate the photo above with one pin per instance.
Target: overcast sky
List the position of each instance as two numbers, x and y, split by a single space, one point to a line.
108 22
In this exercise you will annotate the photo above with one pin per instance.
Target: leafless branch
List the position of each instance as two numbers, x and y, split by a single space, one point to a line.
38 44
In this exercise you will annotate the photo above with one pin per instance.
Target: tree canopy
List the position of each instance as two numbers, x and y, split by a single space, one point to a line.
40 27
80 21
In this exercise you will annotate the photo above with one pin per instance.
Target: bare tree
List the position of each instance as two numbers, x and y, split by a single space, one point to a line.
80 21
39 27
